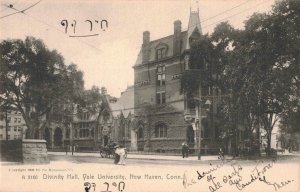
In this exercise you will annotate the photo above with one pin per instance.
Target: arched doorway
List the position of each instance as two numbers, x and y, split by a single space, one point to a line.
47 136
190 135
58 137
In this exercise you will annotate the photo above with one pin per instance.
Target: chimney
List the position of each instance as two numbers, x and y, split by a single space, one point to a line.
146 47
177 38
177 27
146 37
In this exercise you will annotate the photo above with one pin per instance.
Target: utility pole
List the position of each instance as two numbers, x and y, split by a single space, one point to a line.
6 123
200 123
71 136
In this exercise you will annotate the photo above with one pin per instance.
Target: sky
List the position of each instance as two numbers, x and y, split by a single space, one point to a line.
106 59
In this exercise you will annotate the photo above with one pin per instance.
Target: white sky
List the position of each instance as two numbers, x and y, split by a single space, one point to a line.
107 59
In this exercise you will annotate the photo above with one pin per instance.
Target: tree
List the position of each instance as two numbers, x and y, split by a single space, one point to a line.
265 66
34 79
258 66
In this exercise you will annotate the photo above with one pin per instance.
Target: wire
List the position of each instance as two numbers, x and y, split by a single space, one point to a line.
18 11
236 14
92 46
224 12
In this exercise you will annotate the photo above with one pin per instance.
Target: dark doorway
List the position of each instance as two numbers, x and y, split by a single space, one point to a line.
105 140
58 137
190 135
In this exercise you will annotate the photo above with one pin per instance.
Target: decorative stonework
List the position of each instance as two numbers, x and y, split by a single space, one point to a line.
34 151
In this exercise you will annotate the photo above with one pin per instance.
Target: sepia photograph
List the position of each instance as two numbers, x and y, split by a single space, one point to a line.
149 96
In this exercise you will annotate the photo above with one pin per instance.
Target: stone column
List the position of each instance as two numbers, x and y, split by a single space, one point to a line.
133 140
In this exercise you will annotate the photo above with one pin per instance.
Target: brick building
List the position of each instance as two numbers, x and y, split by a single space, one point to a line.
163 117
15 124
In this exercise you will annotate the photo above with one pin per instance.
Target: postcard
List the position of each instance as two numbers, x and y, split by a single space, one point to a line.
144 96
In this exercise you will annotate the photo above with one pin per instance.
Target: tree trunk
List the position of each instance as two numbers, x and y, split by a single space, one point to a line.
269 144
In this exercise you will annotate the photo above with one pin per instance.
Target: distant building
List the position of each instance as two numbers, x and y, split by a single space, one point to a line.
116 119
78 128
15 124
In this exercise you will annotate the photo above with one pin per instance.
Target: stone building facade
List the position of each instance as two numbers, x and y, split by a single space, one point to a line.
116 120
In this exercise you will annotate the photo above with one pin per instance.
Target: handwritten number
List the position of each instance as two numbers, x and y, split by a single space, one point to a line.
94 186
105 23
123 186
74 25
87 186
107 185
91 24
65 24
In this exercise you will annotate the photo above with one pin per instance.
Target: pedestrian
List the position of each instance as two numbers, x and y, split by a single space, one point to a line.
122 153
221 154
117 156
183 149
187 150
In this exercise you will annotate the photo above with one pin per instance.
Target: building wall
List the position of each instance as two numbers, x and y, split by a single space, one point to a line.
16 125
172 112
172 116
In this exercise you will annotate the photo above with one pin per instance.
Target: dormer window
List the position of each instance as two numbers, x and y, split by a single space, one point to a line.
161 53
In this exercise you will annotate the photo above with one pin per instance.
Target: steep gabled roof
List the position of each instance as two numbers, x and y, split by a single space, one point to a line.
166 41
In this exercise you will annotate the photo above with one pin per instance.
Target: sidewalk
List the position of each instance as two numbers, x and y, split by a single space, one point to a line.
144 156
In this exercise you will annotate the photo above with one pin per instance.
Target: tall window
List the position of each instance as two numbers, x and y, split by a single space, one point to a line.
92 133
128 129
161 76
83 133
161 79
67 133
160 130
140 133
84 125
161 53
76 133
160 98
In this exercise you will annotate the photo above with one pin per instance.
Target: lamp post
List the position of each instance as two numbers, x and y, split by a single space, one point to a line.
199 126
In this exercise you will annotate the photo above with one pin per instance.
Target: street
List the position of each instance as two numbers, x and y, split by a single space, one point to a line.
140 160
151 173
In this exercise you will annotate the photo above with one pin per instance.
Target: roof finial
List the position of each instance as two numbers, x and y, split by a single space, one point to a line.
197 6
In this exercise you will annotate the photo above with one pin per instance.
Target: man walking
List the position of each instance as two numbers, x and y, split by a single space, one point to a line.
185 150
